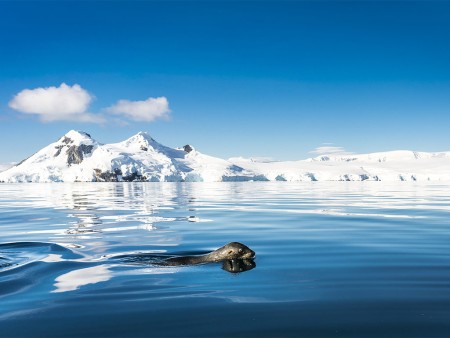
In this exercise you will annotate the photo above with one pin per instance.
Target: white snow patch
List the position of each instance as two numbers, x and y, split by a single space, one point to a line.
6 166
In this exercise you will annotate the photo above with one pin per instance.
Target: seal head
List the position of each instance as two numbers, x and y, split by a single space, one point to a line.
230 251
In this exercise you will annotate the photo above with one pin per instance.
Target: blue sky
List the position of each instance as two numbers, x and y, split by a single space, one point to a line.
275 79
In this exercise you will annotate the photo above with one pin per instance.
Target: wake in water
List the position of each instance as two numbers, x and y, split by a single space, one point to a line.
27 264
19 254
4 263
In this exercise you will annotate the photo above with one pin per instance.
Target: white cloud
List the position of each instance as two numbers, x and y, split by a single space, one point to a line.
329 150
63 103
70 103
148 110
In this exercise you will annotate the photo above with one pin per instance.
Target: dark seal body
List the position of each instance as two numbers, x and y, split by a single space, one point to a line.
230 251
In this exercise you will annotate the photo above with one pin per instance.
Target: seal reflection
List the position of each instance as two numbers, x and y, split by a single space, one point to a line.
238 265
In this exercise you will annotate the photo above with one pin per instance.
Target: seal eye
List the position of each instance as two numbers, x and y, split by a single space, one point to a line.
240 250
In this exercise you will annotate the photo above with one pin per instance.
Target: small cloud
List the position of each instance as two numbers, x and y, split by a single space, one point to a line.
327 149
262 159
63 103
148 110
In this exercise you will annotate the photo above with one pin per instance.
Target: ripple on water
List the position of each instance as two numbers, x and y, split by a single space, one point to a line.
23 264
4 262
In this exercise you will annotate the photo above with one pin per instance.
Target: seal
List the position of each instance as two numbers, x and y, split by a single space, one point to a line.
228 252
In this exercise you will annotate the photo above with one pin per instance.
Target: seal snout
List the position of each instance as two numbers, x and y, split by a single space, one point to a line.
250 254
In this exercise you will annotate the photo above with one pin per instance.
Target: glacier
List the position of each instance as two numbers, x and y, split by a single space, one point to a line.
77 157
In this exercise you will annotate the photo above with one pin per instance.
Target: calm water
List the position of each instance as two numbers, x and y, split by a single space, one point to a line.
333 259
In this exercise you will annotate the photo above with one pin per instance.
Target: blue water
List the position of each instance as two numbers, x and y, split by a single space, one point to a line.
363 259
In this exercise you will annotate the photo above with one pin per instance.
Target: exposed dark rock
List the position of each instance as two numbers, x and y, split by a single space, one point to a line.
67 140
58 151
187 148
133 177
109 176
105 176
86 149
144 148
311 176
236 168
75 154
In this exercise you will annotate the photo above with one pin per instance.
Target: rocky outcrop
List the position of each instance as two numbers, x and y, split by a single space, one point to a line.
187 148
75 153
107 176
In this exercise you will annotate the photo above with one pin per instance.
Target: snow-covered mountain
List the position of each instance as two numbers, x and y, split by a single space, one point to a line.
78 157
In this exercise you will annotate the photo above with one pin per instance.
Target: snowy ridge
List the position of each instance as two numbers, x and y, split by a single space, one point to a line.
401 165
384 156
78 157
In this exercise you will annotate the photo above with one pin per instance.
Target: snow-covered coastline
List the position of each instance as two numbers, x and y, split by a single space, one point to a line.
77 157
402 165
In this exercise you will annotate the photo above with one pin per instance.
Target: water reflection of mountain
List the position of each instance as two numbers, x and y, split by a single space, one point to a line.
168 210
113 205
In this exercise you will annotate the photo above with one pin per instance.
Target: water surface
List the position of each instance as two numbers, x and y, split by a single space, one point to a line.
333 259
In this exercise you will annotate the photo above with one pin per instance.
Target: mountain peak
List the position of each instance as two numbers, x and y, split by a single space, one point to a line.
143 135
77 133
75 136
73 147
141 140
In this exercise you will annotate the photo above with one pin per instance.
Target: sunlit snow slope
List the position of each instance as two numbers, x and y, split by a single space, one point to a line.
78 157
402 165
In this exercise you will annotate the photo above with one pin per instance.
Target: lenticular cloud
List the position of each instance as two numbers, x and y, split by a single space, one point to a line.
148 110
63 103
330 150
